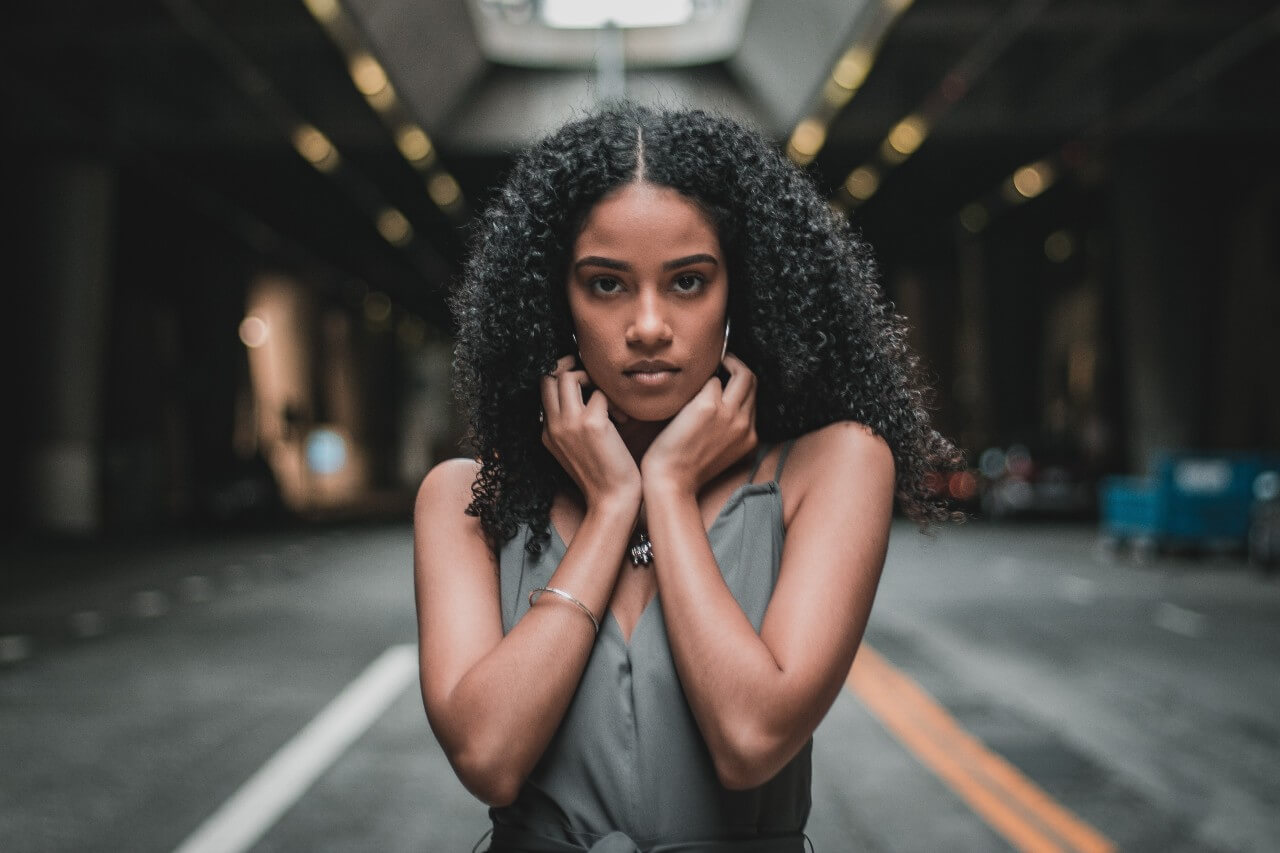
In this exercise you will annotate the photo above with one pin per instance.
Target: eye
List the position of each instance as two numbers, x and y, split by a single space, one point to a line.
604 284
689 282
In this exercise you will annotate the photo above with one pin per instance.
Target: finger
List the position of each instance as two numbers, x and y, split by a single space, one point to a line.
598 404
570 387
550 399
741 384
711 391
563 363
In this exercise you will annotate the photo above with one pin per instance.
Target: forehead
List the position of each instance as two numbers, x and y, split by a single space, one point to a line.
646 218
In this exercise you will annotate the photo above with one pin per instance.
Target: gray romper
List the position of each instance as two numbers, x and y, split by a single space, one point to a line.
628 769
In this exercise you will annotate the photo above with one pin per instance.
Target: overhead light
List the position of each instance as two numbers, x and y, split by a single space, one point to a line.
807 140
394 228
413 143
626 14
324 10
852 68
369 76
443 189
862 183
907 135
1030 181
315 147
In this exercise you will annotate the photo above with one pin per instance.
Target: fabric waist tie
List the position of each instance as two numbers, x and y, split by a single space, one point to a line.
507 840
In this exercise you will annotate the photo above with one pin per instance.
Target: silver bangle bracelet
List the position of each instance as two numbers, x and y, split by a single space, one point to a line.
533 595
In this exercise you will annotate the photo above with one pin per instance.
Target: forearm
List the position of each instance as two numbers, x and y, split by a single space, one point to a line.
734 684
499 717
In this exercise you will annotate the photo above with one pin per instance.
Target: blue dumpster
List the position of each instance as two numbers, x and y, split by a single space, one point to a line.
1191 499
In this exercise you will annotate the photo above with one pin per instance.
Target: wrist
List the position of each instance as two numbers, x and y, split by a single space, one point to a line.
663 486
617 506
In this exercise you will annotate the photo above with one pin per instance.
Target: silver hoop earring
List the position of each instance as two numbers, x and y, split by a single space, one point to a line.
724 349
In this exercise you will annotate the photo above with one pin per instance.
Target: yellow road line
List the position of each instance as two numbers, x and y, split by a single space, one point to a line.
998 792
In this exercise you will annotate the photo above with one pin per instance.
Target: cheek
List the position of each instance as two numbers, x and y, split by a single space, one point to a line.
713 339
594 355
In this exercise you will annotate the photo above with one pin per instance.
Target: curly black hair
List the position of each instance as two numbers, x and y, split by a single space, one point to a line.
807 312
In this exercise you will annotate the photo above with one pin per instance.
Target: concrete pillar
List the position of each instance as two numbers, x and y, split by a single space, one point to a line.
1161 338
971 390
73 213
1244 405
278 331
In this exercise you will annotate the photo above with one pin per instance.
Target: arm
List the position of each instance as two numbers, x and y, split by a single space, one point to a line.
494 701
758 698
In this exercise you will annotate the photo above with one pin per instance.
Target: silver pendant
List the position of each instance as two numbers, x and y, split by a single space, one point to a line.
642 554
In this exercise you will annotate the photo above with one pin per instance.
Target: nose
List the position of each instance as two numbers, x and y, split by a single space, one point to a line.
649 324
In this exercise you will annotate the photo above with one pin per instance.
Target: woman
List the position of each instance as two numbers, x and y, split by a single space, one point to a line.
692 409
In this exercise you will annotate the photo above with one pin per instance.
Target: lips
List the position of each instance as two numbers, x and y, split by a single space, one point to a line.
651 373
652 378
650 366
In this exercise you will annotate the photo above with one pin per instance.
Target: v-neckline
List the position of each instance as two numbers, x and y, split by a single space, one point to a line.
734 498
611 617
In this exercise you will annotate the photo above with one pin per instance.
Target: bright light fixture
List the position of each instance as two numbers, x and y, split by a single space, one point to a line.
595 14
1030 181
862 183
907 135
808 137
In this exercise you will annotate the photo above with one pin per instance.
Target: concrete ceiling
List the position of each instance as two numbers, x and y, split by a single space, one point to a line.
433 54
199 95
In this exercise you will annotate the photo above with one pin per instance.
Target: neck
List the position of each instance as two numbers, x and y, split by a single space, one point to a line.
638 435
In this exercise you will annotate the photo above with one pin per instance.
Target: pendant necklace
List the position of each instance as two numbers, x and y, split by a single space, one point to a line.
642 552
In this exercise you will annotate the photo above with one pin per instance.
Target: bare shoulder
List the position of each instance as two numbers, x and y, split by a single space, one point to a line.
843 441
446 488
838 457
440 517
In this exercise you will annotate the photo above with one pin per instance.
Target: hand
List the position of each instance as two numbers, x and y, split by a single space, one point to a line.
713 430
583 439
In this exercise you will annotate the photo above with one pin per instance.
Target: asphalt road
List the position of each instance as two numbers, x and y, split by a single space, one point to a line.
143 686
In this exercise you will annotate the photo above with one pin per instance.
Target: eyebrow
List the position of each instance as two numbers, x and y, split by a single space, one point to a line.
623 266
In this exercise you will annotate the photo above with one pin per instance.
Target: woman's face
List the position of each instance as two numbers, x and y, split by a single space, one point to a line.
648 294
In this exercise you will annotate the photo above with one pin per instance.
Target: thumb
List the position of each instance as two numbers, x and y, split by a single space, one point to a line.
597 401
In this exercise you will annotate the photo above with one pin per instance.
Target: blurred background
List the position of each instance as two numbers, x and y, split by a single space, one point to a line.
231 226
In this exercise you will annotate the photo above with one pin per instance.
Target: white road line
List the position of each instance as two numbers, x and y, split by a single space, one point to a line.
258 804
1179 620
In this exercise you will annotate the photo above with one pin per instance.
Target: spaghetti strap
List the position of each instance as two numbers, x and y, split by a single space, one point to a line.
761 452
782 459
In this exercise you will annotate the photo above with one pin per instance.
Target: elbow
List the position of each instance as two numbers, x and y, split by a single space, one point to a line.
749 760
490 780
497 793
481 760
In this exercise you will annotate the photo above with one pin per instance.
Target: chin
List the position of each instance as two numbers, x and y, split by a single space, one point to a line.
653 408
